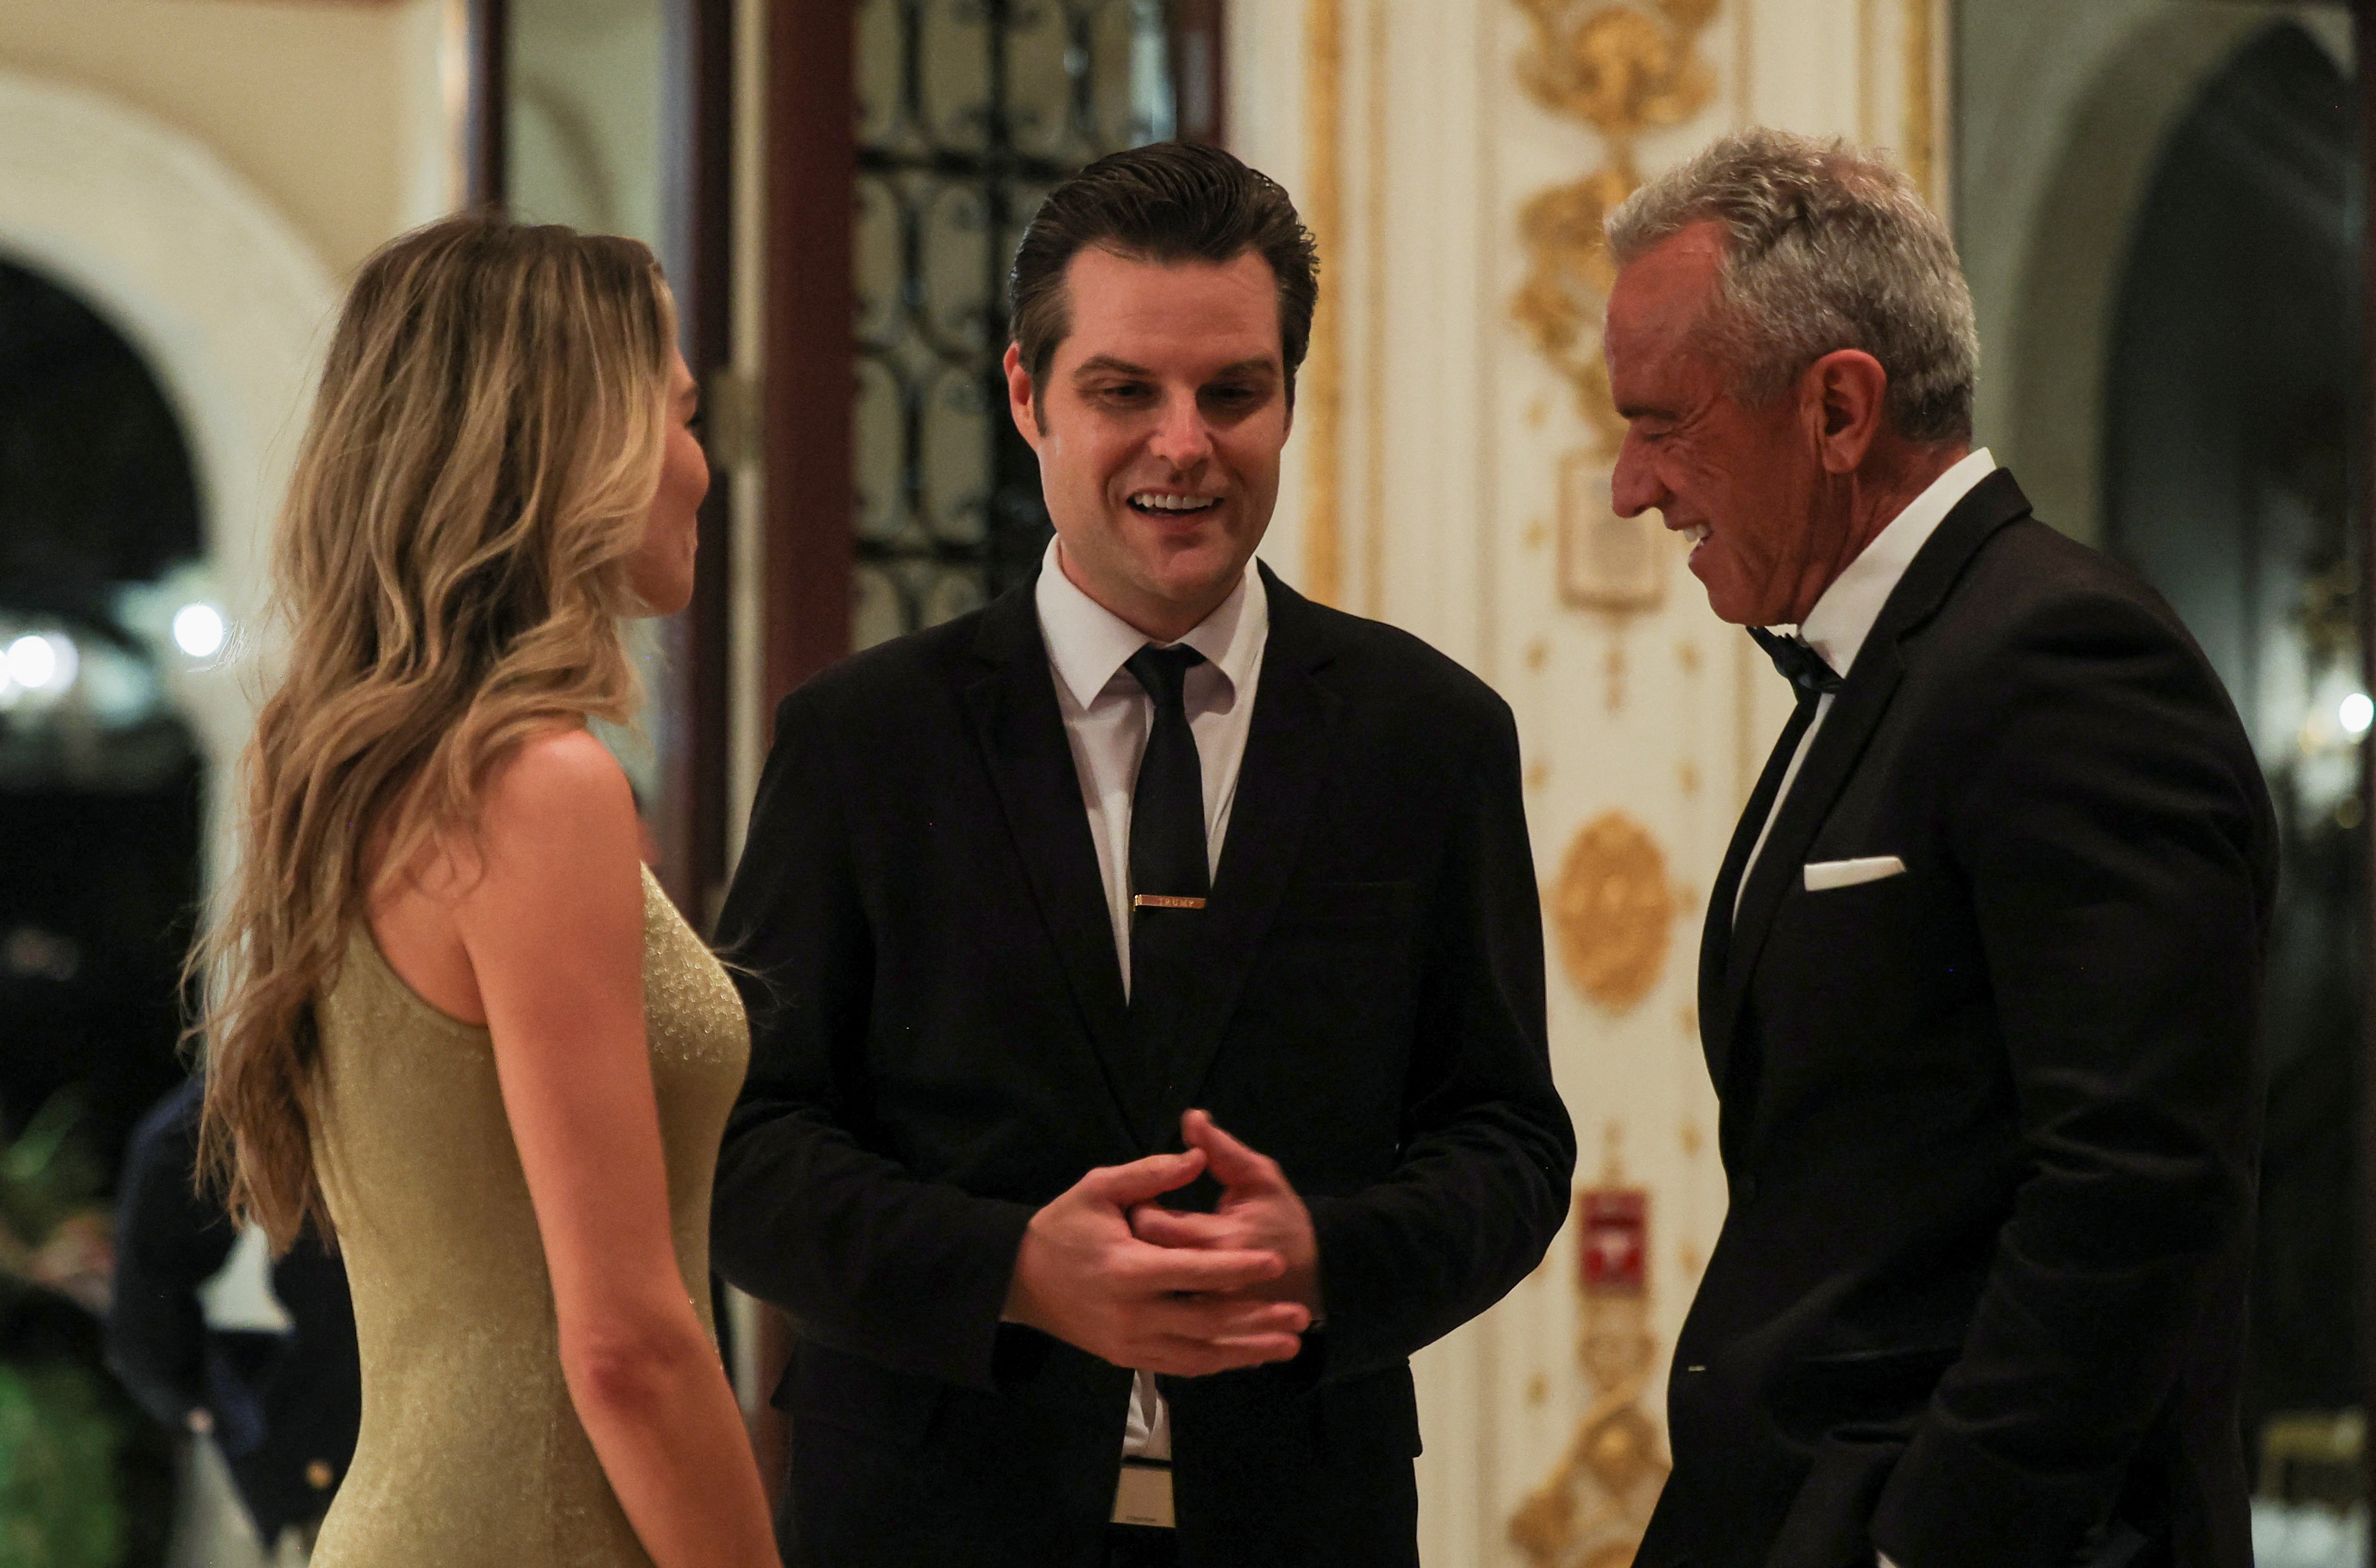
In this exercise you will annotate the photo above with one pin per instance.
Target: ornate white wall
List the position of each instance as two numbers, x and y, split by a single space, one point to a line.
146 165
227 305
1448 475
339 114
218 293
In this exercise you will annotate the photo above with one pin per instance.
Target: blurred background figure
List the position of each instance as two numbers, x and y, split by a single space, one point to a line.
217 1339
85 1481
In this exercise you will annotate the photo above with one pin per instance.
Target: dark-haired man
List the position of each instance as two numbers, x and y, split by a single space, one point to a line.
1979 979
1151 881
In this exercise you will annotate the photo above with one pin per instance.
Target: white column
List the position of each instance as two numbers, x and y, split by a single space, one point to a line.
1443 472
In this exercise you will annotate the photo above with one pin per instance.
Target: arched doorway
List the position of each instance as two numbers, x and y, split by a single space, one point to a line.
100 777
2228 413
215 290
101 829
199 313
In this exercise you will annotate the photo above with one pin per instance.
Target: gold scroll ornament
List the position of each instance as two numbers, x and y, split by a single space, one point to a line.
1622 69
1614 912
1590 1512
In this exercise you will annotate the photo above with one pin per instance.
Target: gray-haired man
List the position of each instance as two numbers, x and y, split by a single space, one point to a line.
1977 986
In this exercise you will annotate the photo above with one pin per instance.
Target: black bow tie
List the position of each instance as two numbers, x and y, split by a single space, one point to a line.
1800 665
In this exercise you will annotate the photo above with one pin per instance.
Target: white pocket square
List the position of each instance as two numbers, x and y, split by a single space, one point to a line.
1824 876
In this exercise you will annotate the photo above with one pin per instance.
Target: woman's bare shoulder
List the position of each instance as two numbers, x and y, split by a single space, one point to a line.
559 783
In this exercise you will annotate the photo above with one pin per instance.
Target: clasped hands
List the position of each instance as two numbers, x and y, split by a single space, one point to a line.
1105 1268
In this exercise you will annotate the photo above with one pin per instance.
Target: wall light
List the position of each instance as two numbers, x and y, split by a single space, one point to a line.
198 630
2356 713
42 661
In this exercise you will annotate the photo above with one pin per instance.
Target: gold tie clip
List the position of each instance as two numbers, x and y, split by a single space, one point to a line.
1162 901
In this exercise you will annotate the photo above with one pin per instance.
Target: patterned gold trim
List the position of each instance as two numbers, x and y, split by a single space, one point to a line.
1606 562
1744 60
1320 397
1615 911
1590 1512
1921 124
1623 71
1373 369
1868 78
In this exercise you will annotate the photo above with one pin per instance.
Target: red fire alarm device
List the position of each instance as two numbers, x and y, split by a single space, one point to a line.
1614 1239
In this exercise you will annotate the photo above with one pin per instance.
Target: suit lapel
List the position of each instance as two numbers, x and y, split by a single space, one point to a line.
1830 759
1010 698
1847 729
1716 931
1287 744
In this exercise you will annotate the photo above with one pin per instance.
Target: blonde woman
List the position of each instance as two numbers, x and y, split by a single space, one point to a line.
451 1016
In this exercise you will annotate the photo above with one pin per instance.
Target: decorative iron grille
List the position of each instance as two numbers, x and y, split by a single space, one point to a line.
969 112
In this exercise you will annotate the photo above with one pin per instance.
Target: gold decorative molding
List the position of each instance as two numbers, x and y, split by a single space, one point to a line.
1568 279
1620 70
1614 911
1918 130
1320 397
1378 87
1921 134
1618 66
1606 562
1591 1511
1868 78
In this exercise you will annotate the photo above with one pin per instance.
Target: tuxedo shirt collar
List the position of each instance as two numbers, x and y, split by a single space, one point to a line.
1843 618
1088 644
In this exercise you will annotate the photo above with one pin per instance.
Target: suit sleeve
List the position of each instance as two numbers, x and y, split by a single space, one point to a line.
168 1241
2119 848
1481 1184
809 1213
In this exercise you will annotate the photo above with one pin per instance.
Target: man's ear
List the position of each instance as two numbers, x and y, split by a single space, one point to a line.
1843 394
1022 397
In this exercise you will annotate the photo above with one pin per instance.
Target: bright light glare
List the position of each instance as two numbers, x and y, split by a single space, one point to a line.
2357 713
42 661
198 630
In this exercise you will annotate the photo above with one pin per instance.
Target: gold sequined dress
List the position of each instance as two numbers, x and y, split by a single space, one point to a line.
470 1452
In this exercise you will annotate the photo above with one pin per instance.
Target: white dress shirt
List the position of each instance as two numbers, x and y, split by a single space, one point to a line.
1107 714
1842 619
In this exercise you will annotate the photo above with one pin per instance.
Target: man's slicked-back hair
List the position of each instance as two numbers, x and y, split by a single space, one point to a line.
1825 248
1168 203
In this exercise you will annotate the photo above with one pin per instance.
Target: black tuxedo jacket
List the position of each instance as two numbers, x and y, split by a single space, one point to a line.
939 1049
1990 1126
285 1406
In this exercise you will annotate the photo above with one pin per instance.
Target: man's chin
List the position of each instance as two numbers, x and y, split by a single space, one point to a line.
1723 598
1201 589
1187 569
1731 606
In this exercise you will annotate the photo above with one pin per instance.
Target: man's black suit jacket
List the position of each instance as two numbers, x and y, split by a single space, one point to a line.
939 1049
1990 1126
285 1406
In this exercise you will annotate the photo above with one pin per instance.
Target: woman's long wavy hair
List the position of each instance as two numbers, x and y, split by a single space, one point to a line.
451 568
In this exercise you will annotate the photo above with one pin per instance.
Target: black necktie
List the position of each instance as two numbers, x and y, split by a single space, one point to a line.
1169 869
1808 676
1169 878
